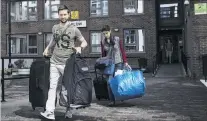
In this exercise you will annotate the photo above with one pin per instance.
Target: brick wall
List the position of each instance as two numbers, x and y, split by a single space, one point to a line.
198 40
116 19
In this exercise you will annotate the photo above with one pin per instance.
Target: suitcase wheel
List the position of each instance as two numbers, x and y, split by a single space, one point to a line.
33 107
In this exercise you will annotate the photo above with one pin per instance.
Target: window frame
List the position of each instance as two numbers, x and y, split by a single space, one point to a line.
27 15
44 41
101 8
170 14
28 47
90 38
136 8
137 44
50 10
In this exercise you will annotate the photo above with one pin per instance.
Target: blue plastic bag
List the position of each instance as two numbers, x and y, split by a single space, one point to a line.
129 85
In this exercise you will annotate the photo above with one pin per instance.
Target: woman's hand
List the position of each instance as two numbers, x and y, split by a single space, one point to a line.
127 66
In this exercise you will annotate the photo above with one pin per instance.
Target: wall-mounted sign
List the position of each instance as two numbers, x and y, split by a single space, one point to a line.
81 23
200 8
74 14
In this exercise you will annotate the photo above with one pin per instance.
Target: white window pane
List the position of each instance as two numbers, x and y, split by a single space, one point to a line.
129 10
54 15
105 7
47 10
51 9
129 6
55 2
95 42
32 3
96 12
18 44
54 8
95 38
141 40
24 10
140 6
169 5
99 7
96 49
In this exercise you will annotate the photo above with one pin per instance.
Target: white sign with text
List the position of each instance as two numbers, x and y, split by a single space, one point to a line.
81 23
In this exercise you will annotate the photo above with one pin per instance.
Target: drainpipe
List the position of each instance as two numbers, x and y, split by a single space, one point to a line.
9 33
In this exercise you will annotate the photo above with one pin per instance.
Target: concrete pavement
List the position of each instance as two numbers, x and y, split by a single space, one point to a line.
166 99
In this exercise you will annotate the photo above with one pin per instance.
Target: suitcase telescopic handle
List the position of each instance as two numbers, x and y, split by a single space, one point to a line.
37 83
97 73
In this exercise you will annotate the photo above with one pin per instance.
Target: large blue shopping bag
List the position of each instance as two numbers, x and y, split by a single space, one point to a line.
129 85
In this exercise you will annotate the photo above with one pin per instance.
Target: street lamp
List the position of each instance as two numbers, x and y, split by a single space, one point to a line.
186 2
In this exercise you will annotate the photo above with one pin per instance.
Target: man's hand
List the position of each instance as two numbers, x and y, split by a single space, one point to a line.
77 49
46 52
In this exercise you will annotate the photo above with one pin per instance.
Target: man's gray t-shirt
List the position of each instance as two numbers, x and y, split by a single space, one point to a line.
65 37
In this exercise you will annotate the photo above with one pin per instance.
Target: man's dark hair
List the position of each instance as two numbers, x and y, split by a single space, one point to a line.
106 28
63 7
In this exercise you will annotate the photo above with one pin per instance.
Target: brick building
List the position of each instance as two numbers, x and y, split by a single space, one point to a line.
34 24
144 25
196 38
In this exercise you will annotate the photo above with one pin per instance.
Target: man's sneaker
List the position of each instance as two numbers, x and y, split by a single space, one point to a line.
69 113
48 115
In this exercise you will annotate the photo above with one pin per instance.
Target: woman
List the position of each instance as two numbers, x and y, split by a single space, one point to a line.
115 44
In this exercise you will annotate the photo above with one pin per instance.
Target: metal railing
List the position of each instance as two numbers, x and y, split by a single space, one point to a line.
184 60
16 77
3 78
156 62
204 61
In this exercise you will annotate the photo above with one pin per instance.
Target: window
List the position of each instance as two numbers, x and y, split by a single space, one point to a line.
23 44
134 40
96 38
169 10
47 39
24 10
99 7
133 6
51 9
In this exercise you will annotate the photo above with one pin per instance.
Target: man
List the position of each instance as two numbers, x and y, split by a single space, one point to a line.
169 50
107 44
64 36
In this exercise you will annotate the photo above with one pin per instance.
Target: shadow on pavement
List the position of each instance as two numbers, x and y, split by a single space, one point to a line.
28 112
184 99
118 103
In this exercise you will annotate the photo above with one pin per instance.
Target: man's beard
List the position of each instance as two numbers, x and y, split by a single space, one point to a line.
63 21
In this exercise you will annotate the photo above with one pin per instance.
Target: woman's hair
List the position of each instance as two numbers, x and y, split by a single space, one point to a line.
63 7
106 28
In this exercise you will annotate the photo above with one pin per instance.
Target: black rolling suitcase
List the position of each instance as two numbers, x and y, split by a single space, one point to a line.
100 86
39 82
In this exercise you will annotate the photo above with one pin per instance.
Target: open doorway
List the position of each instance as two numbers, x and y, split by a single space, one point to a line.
170 44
